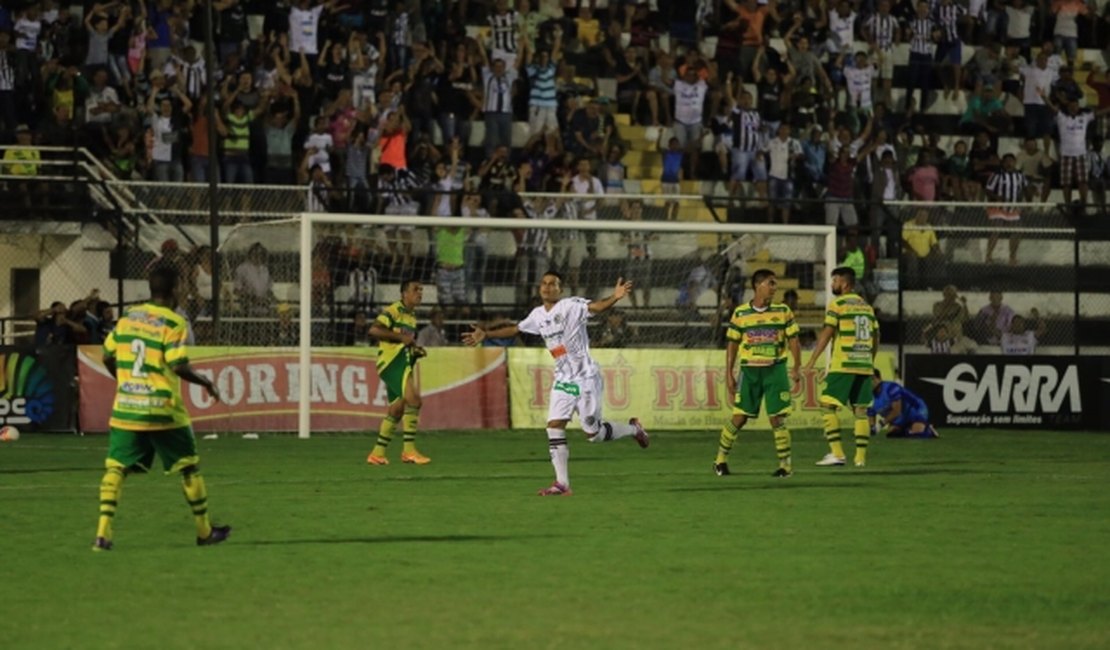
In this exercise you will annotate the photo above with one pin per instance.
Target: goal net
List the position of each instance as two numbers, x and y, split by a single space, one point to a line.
332 274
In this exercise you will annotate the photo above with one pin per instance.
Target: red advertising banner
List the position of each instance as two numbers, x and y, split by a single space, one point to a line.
463 388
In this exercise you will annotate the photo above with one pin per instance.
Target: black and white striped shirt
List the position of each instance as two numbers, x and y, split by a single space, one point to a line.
7 72
395 191
936 346
746 130
948 17
498 96
535 239
881 29
505 31
921 36
1008 186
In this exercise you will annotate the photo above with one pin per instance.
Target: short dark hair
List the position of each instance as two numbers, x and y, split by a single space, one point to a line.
760 275
847 273
554 273
407 282
163 281
790 293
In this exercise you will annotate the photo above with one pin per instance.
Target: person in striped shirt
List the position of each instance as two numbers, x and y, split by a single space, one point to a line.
147 354
948 16
395 330
1008 186
853 330
881 31
747 140
761 333
922 32
543 102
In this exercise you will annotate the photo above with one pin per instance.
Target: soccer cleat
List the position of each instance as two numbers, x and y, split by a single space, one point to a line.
830 460
218 534
557 489
102 544
721 469
377 460
641 436
415 458
783 472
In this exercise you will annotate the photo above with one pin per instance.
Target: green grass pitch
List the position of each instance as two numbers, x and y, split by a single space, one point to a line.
986 539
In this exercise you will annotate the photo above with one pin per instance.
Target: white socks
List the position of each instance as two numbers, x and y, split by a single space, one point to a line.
613 431
557 445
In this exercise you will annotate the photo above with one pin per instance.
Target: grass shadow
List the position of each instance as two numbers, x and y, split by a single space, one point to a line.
780 485
390 539
51 470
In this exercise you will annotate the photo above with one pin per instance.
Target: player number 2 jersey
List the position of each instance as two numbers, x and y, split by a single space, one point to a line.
563 329
762 334
147 344
856 332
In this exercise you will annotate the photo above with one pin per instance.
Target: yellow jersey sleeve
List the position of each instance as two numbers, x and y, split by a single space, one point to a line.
175 352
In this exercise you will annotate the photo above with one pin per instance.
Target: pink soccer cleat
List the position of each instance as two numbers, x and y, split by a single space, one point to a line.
557 489
641 436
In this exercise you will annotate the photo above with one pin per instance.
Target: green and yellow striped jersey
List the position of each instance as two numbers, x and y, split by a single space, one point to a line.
147 344
762 333
856 331
399 319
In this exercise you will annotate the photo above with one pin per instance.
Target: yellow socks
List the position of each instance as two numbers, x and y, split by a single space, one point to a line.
409 422
110 487
728 437
863 435
832 432
197 496
782 446
385 434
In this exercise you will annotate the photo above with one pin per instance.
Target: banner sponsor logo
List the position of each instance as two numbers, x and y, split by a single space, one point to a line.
1020 388
1030 392
260 389
671 389
36 387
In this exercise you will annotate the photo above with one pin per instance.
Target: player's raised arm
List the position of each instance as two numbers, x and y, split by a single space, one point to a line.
477 335
622 289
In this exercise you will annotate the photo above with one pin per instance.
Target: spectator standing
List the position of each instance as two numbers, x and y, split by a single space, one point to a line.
948 16
254 286
993 319
459 96
1036 165
280 129
1009 187
922 249
783 152
1071 143
542 97
498 82
747 140
881 32
690 93
165 129
671 177
1066 32
1038 80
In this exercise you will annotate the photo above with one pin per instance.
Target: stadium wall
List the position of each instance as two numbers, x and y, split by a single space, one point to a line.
68 269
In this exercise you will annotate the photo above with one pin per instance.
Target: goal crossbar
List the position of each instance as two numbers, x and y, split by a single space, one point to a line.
310 219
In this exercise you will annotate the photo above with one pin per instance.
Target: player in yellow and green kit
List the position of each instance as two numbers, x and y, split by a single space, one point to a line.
851 326
761 331
395 330
146 354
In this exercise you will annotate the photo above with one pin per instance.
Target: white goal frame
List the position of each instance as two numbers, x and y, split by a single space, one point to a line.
310 219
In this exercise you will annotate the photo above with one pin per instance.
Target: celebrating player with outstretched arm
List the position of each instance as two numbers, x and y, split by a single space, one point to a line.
578 385
851 325
146 353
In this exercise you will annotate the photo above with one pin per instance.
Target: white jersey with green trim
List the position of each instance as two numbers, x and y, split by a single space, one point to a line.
563 329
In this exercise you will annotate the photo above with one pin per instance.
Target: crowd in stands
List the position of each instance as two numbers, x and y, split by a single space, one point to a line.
375 104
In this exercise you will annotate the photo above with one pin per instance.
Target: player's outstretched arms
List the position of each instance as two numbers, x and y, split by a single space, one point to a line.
186 372
477 334
622 289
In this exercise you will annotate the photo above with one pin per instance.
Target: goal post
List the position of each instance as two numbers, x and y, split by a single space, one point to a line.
721 248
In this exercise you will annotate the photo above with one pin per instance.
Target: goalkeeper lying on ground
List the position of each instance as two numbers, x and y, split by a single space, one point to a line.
904 413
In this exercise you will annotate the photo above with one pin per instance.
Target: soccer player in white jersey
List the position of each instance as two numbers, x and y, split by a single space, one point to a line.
578 385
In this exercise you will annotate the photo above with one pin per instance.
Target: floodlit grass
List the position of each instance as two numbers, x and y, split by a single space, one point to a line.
977 540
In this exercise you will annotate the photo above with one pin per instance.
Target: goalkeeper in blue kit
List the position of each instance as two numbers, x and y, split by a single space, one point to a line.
905 414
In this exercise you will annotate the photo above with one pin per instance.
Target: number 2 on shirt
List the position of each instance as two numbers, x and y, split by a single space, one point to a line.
138 348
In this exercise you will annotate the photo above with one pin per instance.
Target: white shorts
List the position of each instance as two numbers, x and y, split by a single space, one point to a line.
541 119
583 397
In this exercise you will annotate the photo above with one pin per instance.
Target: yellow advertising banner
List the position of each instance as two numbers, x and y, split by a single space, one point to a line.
666 389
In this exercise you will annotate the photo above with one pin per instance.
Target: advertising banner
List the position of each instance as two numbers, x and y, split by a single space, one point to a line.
1035 392
666 389
463 388
37 391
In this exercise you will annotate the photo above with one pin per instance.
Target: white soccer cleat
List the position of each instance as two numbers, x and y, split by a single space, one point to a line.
830 460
